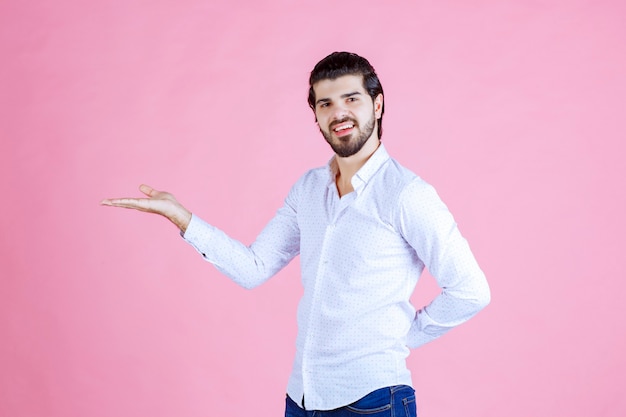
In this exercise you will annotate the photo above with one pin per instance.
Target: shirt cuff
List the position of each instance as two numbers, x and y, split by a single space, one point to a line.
198 234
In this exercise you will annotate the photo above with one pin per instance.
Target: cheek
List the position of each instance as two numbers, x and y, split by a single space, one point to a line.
322 120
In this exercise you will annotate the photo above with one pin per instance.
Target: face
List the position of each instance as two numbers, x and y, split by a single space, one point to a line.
346 114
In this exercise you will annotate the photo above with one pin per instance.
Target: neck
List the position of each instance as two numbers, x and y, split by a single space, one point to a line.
349 165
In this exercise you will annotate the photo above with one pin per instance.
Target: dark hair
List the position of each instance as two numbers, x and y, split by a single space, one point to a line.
339 64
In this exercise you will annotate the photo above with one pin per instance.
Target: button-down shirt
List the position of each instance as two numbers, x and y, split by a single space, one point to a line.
361 256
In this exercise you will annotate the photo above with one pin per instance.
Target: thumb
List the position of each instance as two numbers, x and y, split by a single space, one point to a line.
147 190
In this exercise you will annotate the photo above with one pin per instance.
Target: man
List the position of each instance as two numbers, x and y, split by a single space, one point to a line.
365 227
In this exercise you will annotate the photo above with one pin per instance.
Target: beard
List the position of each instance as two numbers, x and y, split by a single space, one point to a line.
349 145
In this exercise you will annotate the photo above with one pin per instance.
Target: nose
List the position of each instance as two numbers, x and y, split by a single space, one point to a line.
340 112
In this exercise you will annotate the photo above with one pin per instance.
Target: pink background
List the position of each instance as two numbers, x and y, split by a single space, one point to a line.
514 110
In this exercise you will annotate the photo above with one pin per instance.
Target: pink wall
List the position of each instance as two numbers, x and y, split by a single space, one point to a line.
514 110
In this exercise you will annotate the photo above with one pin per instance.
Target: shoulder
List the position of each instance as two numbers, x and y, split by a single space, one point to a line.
403 182
416 199
397 173
314 177
311 180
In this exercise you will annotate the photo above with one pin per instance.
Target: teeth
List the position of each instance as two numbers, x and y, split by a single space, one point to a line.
344 127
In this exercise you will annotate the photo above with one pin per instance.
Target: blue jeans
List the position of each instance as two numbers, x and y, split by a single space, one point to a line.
396 401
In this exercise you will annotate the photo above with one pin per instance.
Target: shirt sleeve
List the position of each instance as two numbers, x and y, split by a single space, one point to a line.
428 226
250 266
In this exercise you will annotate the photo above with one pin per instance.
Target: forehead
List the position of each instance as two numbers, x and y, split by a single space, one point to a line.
342 85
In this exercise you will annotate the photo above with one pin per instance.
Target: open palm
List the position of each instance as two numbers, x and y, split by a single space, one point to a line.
158 202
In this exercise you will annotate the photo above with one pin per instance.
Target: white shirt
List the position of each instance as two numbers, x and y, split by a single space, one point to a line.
361 257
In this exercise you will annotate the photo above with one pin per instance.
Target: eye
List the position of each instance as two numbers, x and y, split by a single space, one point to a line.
322 105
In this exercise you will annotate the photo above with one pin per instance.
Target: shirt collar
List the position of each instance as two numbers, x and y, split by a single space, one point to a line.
365 173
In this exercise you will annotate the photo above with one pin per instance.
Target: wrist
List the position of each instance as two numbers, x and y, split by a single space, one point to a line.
181 219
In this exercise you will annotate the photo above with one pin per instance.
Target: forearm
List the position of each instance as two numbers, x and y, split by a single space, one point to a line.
248 266
429 227
448 310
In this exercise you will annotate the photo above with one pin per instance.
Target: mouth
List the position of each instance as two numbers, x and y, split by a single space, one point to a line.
343 129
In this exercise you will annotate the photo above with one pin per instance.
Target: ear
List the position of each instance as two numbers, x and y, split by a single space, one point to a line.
378 106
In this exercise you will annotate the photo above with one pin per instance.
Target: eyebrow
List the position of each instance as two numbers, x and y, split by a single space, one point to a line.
326 100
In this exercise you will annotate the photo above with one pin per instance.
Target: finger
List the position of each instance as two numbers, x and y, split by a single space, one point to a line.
147 190
132 203
115 201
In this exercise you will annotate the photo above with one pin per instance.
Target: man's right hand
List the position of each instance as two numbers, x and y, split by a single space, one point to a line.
159 202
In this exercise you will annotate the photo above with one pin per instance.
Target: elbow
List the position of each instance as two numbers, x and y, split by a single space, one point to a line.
476 298
485 300
254 277
245 279
250 280
249 285
246 282
483 297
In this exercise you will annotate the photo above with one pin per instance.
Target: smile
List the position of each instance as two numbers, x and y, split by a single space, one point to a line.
343 126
